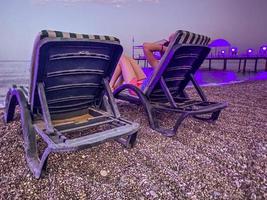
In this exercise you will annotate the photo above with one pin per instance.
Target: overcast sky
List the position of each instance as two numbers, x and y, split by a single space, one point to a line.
242 22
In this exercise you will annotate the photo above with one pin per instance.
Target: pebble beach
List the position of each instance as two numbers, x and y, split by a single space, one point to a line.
222 160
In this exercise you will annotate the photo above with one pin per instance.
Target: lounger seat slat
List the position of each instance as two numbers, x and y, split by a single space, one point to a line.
39 126
85 126
96 138
69 127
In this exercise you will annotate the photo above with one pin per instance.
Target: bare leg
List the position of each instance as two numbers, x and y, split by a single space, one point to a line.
127 70
115 76
149 48
118 82
139 74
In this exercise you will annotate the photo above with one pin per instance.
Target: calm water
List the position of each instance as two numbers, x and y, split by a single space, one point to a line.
13 73
19 72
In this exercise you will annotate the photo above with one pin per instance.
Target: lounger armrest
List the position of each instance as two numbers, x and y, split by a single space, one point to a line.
16 96
128 87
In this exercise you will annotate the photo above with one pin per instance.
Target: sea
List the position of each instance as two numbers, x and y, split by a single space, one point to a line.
18 73
13 73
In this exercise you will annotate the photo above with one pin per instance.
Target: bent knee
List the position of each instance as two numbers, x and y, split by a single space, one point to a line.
146 46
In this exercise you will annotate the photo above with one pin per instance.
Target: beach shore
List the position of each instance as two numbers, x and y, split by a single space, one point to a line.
222 160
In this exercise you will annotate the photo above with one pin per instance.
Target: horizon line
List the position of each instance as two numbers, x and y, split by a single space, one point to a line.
14 60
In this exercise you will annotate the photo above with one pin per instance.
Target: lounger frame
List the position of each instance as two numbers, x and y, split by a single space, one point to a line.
64 126
123 131
176 100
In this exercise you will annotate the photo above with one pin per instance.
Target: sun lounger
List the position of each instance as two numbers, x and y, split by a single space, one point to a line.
165 91
69 104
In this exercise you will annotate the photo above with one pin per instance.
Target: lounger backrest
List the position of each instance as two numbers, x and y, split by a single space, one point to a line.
71 68
182 60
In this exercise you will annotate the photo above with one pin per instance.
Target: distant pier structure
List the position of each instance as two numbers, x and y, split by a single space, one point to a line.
221 50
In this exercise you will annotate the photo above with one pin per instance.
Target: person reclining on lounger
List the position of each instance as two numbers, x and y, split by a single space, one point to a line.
150 48
128 71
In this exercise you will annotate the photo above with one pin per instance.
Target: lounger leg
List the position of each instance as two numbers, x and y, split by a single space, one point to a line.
15 96
149 109
10 106
179 121
129 142
184 94
213 117
36 165
132 140
142 98
171 132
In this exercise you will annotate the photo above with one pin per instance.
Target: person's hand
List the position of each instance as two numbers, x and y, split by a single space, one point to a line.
171 37
164 48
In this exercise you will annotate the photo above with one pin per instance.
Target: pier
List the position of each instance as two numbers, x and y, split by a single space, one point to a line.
240 59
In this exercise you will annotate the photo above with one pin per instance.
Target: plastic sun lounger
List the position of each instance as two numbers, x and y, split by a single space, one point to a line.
69 94
165 91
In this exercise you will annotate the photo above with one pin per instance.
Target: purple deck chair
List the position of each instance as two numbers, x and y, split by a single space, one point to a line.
164 90
69 105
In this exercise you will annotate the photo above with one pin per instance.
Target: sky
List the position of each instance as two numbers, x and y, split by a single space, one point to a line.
242 22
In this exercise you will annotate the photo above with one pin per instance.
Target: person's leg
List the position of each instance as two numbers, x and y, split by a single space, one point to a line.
149 48
127 70
115 77
140 75
118 82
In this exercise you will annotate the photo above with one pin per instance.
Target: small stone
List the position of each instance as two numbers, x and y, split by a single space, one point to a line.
153 194
142 198
194 197
237 183
216 193
103 173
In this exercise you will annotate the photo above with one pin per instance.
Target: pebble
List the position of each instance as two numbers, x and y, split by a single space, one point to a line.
145 172
153 194
103 173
